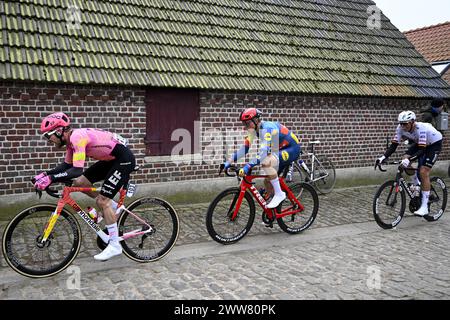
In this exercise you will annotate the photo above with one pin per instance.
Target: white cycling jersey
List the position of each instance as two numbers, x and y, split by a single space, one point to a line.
424 134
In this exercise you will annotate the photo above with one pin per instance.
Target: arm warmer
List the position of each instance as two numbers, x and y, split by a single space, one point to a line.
262 154
240 153
60 168
391 149
72 172
418 154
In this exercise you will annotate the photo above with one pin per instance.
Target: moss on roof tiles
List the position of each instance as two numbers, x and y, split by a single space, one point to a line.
302 46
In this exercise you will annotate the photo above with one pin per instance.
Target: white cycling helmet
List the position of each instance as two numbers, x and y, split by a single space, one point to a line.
406 116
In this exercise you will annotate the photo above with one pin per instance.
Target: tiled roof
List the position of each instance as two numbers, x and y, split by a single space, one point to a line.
306 46
432 42
446 76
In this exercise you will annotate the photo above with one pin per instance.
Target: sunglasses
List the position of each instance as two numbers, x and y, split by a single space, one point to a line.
48 134
404 124
246 123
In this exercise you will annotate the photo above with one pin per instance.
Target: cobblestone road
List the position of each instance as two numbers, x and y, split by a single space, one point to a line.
345 255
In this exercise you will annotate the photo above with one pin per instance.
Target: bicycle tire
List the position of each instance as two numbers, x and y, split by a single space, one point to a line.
162 217
214 216
393 219
24 227
324 167
438 192
299 190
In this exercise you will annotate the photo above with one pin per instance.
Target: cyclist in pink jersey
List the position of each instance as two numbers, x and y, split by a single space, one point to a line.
116 162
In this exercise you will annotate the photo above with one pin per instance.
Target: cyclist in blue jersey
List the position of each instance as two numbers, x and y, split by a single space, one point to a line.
279 148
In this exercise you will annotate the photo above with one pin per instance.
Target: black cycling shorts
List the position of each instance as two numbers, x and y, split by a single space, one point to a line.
115 173
430 156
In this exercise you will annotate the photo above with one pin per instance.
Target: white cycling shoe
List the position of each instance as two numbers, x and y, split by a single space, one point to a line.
423 211
276 200
113 249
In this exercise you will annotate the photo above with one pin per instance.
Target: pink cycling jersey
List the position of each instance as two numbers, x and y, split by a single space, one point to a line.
93 143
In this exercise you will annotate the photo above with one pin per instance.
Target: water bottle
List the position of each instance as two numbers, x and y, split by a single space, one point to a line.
92 213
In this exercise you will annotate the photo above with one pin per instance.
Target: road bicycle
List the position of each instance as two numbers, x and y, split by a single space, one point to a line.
320 172
231 214
44 239
389 203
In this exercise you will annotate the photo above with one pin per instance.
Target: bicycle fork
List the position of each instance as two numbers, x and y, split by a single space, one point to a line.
51 222
235 205
395 190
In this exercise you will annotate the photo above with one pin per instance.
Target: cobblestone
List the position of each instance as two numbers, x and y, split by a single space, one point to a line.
345 255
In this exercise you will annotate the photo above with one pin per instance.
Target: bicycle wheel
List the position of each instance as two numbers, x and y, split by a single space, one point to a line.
27 255
152 246
438 199
296 223
218 217
324 174
389 205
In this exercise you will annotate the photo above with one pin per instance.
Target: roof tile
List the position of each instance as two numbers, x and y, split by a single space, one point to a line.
302 46
433 42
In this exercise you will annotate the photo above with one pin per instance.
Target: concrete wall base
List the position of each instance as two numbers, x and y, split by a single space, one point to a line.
205 190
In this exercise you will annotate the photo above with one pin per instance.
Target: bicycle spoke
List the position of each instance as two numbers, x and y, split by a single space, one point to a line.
155 244
220 227
438 199
26 255
295 223
394 201
324 174
388 208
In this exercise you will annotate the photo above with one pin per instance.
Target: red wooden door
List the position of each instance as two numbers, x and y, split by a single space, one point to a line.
168 109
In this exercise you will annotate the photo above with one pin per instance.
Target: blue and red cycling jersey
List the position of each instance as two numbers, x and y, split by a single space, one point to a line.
275 139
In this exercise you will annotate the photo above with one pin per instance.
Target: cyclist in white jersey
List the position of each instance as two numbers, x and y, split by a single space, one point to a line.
426 146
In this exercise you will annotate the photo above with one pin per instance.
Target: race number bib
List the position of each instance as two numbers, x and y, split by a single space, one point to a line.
120 139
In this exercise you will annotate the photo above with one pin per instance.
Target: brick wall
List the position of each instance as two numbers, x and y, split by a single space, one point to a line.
23 152
352 130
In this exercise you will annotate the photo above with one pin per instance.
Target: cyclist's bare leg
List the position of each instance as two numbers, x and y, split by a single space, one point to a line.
83 182
105 204
114 248
426 187
269 164
425 178
268 186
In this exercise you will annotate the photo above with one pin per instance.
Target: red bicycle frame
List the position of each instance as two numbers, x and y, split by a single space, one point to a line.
247 183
